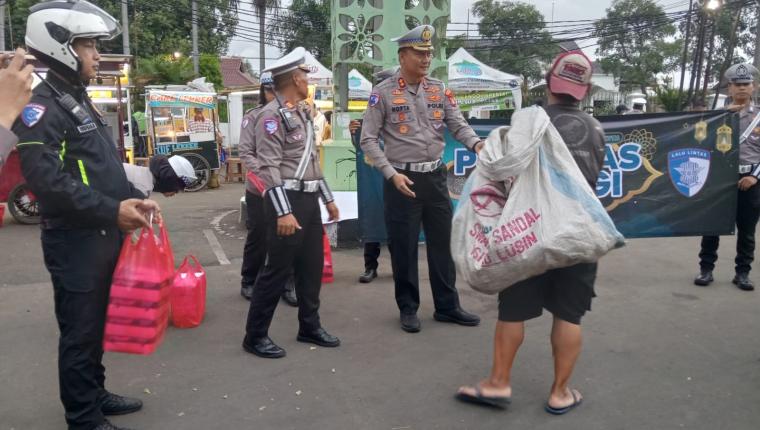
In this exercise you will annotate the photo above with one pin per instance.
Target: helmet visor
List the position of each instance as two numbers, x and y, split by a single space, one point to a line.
87 21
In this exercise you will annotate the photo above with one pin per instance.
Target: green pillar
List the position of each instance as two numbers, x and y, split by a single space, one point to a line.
361 34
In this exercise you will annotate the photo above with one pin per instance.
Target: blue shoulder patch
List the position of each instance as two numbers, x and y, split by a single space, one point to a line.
32 114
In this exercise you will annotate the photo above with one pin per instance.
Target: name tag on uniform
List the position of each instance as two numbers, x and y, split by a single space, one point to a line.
86 128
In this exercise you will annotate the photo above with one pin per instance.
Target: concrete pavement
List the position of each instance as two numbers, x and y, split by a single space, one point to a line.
659 353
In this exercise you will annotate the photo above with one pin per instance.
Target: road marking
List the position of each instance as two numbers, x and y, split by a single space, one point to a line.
215 222
216 247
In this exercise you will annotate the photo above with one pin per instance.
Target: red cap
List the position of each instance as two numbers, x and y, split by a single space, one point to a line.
570 74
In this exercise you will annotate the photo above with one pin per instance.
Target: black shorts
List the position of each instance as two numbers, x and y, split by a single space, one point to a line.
566 293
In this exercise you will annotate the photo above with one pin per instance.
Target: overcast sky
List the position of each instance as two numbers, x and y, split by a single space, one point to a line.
564 10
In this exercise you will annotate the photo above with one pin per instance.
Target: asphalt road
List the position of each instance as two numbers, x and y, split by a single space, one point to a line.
659 353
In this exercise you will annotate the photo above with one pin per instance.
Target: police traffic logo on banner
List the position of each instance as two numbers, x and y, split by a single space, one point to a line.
688 169
271 126
32 114
374 99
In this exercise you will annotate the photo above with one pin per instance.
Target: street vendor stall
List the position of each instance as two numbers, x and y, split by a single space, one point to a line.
185 123
480 88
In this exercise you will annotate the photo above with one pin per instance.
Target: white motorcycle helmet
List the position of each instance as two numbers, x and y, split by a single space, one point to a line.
52 27
183 169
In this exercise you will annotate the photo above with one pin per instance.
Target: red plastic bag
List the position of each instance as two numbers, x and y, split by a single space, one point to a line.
138 308
327 269
188 294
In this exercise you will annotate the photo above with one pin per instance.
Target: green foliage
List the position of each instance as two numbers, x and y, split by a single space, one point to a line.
670 99
306 23
155 27
518 29
723 19
210 67
633 42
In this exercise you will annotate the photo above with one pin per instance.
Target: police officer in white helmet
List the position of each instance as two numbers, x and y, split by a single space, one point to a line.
70 162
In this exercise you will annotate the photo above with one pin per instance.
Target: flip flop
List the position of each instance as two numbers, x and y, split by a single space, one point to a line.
566 409
480 399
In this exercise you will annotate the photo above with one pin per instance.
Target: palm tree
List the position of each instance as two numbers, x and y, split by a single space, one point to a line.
262 7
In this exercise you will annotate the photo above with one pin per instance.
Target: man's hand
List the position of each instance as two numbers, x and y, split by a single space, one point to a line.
736 107
131 215
287 225
148 206
15 87
402 183
479 146
747 182
353 126
332 211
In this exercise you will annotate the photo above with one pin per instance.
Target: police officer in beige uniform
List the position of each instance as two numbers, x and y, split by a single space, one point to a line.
288 166
254 250
741 85
410 111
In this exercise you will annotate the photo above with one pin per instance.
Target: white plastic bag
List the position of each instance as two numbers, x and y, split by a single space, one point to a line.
527 209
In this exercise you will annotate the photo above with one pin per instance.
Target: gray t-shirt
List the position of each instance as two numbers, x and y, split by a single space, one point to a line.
583 136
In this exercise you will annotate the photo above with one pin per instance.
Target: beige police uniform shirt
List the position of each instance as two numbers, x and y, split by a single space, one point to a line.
278 150
749 150
411 121
247 146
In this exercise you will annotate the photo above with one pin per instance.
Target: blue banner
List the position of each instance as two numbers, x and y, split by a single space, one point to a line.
664 175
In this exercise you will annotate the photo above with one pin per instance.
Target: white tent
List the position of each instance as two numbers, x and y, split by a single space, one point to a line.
319 74
467 74
359 87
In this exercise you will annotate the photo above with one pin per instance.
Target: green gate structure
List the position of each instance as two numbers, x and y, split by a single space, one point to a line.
361 34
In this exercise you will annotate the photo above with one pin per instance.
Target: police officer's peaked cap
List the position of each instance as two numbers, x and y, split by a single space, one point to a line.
419 38
266 78
384 74
742 73
293 60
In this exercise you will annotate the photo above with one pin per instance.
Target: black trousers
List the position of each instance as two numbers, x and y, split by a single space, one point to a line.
403 216
302 252
747 214
371 254
255 249
81 263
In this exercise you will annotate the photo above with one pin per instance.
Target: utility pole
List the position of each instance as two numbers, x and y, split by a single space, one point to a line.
125 27
2 24
196 66
467 33
685 48
756 62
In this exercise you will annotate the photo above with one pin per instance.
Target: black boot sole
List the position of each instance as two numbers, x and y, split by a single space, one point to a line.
258 354
305 339
742 286
409 329
702 283
122 411
448 319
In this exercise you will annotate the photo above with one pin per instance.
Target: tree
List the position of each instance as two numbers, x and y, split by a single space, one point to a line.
517 39
726 27
633 42
262 8
155 28
307 24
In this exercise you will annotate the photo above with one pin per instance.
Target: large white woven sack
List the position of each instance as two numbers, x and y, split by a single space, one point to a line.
526 209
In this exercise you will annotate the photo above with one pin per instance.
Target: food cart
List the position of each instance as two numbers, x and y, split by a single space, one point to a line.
185 123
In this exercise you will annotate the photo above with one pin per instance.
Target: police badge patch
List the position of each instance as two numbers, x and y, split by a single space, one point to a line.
688 169
271 126
32 114
245 123
374 99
